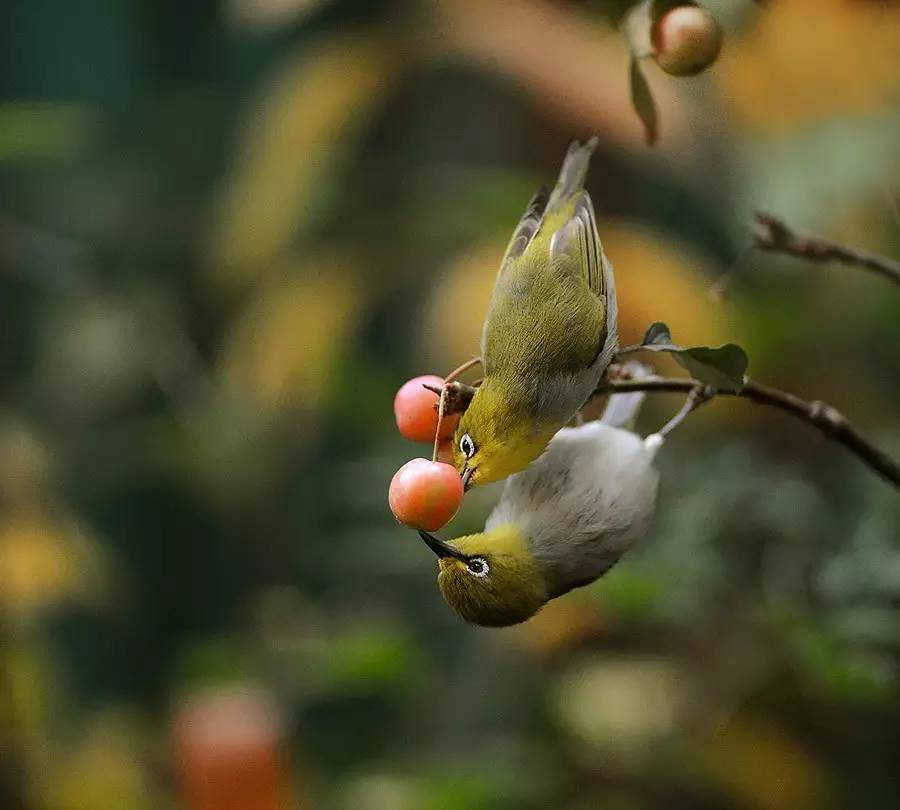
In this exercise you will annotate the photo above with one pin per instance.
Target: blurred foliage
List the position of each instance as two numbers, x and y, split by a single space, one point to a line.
226 237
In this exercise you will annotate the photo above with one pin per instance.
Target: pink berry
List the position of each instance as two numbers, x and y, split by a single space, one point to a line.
415 409
686 40
425 494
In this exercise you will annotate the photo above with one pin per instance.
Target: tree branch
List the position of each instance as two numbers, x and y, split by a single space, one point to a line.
776 236
827 419
822 416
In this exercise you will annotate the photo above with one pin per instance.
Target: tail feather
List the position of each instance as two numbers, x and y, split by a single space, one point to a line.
622 409
653 442
573 173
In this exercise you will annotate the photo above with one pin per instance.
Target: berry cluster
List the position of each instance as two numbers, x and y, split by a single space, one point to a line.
425 494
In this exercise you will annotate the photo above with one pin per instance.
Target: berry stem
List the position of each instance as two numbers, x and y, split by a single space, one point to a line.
475 361
437 431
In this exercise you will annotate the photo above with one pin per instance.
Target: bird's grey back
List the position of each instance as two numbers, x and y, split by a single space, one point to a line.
583 503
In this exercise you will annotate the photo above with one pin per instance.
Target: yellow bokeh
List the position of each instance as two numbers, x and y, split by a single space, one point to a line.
464 286
764 767
620 706
42 562
656 280
309 111
283 349
104 770
560 625
809 61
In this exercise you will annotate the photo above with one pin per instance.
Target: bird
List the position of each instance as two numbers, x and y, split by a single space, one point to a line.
560 524
549 334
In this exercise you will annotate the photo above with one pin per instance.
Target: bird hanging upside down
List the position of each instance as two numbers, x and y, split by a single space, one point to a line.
549 335
560 524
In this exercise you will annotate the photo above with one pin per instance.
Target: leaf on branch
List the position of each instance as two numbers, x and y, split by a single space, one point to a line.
638 28
723 367
643 103
657 333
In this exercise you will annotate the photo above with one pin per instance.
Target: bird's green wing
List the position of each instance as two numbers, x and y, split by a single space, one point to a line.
569 227
572 235
528 226
569 235
558 234
563 212
575 246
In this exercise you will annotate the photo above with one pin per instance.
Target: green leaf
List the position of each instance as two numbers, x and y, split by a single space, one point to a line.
368 661
723 367
657 333
643 103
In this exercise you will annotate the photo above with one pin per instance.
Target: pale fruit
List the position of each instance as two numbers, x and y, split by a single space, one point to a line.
425 494
686 40
415 408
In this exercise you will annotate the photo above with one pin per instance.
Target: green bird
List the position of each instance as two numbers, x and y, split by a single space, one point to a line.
560 524
549 335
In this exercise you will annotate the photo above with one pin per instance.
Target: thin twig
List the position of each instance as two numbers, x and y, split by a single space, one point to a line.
827 419
718 290
633 349
457 396
776 236
699 395
475 361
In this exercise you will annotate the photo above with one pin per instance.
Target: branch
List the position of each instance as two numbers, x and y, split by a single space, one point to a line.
776 236
822 416
831 422
456 395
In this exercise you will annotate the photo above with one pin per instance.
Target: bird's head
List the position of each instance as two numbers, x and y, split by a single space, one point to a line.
497 437
491 578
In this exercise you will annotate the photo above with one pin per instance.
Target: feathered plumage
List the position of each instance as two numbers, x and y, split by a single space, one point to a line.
559 524
550 331
581 505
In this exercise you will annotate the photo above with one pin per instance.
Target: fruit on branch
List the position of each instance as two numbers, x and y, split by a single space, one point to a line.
425 494
415 409
686 40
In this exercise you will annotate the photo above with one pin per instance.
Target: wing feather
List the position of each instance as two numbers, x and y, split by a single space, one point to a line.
527 228
577 239
577 242
559 230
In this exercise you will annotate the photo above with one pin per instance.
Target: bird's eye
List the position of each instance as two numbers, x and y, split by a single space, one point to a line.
478 567
467 446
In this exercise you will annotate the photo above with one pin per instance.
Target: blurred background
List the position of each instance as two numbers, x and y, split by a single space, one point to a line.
230 229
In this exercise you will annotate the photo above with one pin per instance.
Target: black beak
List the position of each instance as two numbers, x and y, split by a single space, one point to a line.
467 476
441 548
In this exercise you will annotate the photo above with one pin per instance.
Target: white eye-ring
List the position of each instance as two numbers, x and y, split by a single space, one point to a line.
478 567
467 446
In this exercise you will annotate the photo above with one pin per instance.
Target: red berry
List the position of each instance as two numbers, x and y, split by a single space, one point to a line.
425 494
415 409
686 40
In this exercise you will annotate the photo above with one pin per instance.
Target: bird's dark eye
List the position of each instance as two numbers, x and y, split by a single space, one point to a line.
478 567
467 446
